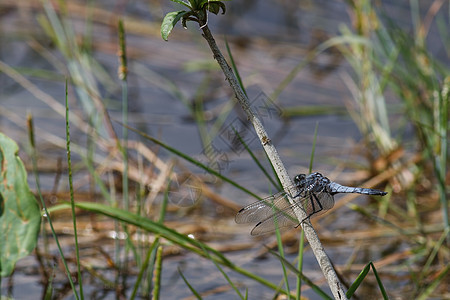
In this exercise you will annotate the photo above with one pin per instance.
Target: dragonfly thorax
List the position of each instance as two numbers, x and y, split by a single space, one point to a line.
314 182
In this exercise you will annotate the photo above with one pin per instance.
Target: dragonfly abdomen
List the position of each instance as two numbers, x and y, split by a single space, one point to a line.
337 188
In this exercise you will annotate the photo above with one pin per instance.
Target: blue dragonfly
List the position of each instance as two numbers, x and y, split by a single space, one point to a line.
316 196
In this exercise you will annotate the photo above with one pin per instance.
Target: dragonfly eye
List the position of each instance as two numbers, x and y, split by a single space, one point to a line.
299 179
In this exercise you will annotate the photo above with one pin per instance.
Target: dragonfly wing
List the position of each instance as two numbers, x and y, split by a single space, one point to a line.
262 209
282 216
281 219
277 212
316 204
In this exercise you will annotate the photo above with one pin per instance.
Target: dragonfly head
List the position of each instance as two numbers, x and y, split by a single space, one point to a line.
299 180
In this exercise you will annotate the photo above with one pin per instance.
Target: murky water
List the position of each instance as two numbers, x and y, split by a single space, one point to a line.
268 38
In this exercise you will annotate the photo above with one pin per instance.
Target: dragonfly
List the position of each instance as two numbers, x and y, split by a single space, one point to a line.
316 196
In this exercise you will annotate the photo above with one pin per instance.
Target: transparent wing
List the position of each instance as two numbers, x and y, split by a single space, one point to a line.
316 204
283 219
262 209
276 211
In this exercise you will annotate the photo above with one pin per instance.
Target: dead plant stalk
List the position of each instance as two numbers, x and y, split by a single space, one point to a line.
319 252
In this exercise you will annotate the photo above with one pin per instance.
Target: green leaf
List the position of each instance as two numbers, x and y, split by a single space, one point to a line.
215 7
20 218
196 4
170 20
361 278
358 281
182 2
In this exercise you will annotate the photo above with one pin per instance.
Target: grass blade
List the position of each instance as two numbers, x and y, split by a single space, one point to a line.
301 247
358 281
281 254
144 223
425 294
157 277
46 211
361 278
72 201
308 281
196 294
256 160
235 69
181 240
380 284
144 267
225 276
192 160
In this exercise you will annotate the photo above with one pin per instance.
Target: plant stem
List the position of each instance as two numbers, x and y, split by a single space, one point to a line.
72 198
330 274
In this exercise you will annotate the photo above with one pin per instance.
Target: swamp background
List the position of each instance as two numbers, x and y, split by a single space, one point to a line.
371 75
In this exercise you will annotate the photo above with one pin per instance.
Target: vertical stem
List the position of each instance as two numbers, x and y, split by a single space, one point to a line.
72 201
157 276
301 247
319 252
441 166
122 72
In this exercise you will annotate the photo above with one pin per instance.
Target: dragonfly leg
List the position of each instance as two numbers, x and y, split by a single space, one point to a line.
312 197
307 218
312 204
